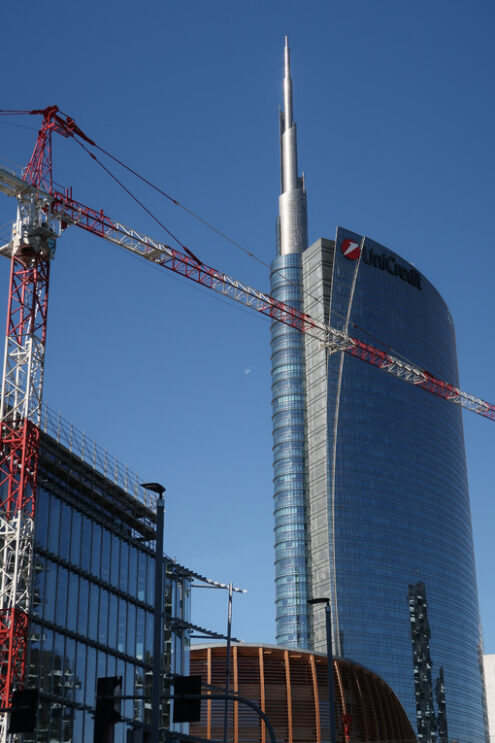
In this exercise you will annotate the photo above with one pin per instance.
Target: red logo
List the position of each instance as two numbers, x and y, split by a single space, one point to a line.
350 249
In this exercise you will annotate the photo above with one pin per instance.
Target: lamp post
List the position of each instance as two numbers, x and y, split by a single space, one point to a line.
231 589
331 702
157 688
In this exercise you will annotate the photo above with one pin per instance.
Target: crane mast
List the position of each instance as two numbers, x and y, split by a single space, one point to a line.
42 214
31 249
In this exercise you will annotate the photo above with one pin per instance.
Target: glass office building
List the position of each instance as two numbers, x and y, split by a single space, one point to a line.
386 511
93 592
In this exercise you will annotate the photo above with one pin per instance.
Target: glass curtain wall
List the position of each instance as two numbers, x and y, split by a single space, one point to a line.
289 459
92 615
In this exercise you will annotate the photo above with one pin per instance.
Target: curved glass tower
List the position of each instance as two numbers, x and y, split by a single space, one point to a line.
289 461
371 498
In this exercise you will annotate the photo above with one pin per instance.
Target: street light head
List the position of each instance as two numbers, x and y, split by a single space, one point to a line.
319 601
155 487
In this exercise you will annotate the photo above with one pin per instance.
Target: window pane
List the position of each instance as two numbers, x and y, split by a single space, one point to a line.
103 617
75 542
105 556
42 507
82 619
86 543
72 612
141 575
96 550
61 608
65 531
112 621
115 560
54 525
93 611
124 566
133 558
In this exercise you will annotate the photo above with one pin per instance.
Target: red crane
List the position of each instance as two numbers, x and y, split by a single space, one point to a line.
43 213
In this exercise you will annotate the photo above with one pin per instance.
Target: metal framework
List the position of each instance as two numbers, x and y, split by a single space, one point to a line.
43 213
31 247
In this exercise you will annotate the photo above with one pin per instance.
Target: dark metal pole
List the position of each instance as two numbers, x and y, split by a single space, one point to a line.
157 690
331 694
227 665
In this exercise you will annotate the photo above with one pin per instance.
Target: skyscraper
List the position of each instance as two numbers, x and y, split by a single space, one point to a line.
371 499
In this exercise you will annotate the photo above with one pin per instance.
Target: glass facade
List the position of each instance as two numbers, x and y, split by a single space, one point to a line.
92 605
289 459
388 524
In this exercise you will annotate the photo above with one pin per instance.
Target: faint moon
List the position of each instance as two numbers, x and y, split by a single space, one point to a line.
247 371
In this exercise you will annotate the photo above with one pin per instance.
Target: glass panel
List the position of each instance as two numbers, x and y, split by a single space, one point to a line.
86 543
112 621
42 508
72 612
96 550
67 713
49 601
101 666
93 612
47 659
39 585
121 635
82 619
78 725
54 525
70 667
34 654
58 664
80 672
103 617
150 588
91 677
105 556
115 560
141 575
131 630
133 559
140 627
75 542
61 607
65 531
148 647
124 566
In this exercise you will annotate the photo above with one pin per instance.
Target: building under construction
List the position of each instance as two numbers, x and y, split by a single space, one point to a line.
93 590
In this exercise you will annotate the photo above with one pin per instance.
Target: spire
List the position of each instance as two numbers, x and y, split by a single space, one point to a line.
287 87
292 202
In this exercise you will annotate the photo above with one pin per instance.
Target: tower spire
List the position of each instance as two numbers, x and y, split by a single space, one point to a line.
292 202
287 87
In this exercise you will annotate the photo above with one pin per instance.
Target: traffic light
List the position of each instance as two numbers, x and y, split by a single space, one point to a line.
108 706
187 710
24 711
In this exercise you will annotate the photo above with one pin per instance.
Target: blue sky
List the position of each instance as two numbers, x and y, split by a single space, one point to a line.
395 114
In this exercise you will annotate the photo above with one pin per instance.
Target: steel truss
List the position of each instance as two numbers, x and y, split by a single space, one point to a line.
31 248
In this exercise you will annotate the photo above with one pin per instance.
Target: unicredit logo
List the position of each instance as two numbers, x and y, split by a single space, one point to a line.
350 249
383 261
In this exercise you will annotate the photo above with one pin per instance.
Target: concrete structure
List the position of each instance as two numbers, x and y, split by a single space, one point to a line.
371 499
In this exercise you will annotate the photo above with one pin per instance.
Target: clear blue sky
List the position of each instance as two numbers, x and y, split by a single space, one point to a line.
395 113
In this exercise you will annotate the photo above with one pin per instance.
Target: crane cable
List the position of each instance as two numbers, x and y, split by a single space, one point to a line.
77 134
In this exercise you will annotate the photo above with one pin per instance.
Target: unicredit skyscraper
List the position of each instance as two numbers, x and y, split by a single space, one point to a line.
370 486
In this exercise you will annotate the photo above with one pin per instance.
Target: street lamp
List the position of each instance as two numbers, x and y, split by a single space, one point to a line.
157 688
331 702
231 589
